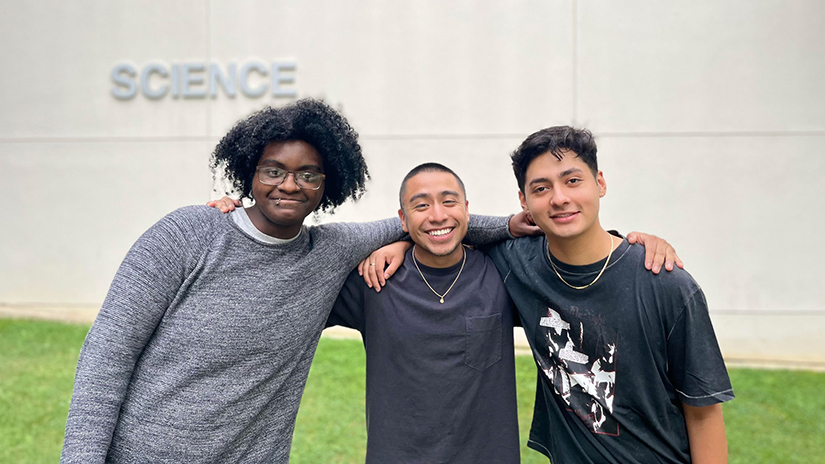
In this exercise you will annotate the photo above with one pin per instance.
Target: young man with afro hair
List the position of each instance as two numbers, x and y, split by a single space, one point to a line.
203 345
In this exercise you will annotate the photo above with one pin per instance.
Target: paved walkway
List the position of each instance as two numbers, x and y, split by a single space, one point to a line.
768 341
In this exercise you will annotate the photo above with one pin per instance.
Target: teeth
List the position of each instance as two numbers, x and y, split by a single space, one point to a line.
440 232
563 215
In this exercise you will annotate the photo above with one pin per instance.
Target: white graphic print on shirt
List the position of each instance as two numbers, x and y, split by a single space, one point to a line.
582 371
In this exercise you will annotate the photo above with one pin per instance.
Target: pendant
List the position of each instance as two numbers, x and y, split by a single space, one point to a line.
442 301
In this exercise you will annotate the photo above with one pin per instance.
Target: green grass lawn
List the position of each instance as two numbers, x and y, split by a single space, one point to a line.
776 418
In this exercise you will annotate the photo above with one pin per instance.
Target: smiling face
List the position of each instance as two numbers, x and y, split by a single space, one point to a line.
563 196
434 212
279 210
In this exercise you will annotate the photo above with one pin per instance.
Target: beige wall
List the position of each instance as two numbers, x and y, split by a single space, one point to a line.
710 118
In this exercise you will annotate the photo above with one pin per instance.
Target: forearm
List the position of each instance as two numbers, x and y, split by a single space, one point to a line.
706 434
104 370
100 387
485 230
358 240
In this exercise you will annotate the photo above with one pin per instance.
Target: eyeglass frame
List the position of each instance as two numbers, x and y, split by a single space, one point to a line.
294 177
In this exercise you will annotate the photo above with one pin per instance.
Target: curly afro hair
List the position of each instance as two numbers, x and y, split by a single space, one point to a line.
308 120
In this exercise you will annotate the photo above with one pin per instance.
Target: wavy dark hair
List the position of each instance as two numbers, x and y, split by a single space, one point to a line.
555 140
308 120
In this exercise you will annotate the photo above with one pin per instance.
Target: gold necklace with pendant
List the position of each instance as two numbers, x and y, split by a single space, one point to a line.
451 285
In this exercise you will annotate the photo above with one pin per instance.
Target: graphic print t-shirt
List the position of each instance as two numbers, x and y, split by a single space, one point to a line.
616 360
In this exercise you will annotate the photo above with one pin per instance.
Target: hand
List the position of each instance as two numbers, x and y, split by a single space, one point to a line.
657 251
391 256
522 225
225 204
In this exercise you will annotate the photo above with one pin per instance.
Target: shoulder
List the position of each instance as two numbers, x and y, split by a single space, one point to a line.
195 214
520 246
517 251
678 285
190 223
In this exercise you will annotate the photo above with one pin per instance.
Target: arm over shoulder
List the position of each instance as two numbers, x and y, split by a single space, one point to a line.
485 230
358 239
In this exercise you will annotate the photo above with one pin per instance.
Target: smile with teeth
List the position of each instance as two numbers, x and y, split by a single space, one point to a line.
562 216
440 232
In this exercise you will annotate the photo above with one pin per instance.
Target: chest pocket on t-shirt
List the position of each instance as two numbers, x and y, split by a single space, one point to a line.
482 340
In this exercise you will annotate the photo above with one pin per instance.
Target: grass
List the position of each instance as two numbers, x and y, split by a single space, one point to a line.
777 416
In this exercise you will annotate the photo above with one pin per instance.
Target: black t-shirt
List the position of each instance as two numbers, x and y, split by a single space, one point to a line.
616 360
440 377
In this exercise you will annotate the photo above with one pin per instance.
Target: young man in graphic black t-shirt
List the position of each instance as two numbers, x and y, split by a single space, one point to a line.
629 367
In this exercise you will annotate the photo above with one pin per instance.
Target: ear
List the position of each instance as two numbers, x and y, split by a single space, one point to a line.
602 184
523 200
403 220
466 210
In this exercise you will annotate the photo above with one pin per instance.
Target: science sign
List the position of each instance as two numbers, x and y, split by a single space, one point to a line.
192 80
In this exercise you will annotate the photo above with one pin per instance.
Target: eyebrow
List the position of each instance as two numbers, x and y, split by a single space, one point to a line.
570 171
271 162
418 196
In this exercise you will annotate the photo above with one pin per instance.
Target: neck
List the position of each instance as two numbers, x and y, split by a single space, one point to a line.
587 248
430 260
268 227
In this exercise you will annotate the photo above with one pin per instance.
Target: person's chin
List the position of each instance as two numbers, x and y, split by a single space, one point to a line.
445 249
288 217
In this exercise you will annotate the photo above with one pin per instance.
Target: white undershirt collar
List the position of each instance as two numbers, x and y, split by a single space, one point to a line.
240 218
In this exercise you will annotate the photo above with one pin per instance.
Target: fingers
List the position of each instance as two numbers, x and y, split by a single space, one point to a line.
672 258
657 252
372 275
649 242
226 204
380 263
365 272
659 255
392 266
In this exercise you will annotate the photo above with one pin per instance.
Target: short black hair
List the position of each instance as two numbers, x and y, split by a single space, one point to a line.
308 120
428 167
555 140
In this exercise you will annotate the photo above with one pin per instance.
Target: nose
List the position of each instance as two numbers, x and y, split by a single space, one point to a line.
289 185
438 213
559 198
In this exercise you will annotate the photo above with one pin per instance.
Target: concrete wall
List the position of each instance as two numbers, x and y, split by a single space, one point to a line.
710 118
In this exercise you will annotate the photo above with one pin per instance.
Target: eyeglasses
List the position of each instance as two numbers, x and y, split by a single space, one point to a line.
307 180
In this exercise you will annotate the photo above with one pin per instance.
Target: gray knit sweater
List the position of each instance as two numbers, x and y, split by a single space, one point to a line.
203 345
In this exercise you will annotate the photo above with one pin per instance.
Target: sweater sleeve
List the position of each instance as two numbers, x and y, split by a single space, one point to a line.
145 285
358 239
486 230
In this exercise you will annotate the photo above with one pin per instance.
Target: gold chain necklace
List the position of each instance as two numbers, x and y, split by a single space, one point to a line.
451 285
594 280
